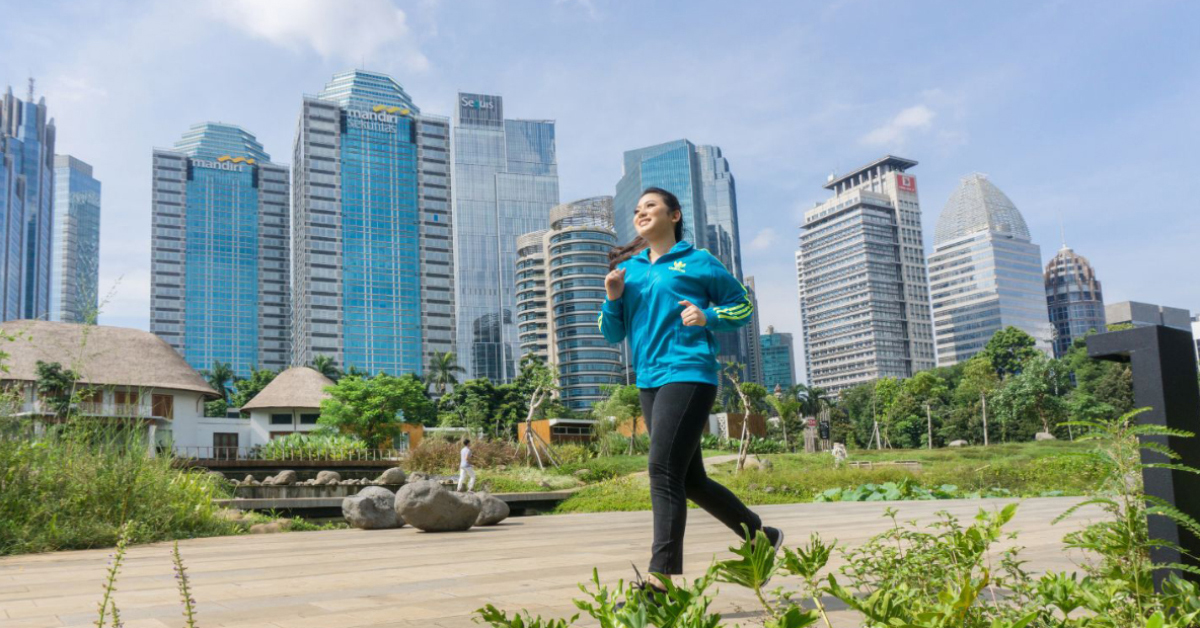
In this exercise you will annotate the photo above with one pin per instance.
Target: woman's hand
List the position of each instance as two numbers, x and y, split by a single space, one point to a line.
614 284
692 315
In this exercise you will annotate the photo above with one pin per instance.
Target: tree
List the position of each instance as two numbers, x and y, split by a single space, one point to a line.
755 394
443 372
979 381
473 404
787 408
55 387
326 366
220 377
1102 389
544 382
928 390
372 409
623 406
886 391
1030 399
246 389
732 370
1008 350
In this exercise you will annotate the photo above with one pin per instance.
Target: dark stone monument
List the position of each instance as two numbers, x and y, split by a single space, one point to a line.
1163 360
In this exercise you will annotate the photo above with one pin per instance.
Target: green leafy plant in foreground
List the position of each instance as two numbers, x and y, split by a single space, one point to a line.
947 574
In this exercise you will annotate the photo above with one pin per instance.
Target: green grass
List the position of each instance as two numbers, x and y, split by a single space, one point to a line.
1024 469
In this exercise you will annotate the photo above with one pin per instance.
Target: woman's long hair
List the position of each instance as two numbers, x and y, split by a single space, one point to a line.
621 253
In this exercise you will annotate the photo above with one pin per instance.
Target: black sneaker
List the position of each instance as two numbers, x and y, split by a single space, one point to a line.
641 584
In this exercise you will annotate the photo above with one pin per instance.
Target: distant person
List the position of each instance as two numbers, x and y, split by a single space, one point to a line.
464 466
668 298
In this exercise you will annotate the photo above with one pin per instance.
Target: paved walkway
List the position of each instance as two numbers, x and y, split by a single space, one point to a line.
406 578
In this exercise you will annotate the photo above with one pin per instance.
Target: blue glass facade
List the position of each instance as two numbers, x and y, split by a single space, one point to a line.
673 166
779 362
219 284
505 183
26 207
75 280
373 280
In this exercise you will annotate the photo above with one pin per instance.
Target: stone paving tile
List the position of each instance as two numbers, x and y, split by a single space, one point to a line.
405 578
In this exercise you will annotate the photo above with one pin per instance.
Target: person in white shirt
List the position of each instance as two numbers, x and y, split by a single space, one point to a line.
464 467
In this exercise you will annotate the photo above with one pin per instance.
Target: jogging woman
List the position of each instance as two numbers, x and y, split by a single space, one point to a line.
669 298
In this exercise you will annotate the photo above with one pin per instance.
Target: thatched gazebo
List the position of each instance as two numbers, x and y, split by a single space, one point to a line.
290 403
126 375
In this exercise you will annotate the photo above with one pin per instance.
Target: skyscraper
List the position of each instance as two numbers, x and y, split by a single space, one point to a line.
861 268
675 167
75 279
557 311
779 363
219 284
702 180
372 271
505 182
1073 297
985 273
26 206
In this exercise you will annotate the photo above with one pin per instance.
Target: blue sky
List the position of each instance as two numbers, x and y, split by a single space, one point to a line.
1084 113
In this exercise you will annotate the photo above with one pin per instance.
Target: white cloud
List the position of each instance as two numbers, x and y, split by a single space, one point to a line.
357 31
896 130
764 239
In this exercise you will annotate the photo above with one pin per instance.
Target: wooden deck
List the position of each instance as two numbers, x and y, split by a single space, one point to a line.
406 578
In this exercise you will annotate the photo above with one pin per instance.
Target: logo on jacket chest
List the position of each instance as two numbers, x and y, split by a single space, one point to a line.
678 266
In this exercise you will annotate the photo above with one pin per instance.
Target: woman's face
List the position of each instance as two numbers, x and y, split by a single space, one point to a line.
653 219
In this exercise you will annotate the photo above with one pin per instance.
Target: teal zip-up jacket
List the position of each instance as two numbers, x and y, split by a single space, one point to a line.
663 349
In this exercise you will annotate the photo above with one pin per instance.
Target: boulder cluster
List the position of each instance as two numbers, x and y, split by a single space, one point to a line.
425 505
393 476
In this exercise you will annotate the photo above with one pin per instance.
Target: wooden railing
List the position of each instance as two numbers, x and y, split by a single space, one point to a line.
255 453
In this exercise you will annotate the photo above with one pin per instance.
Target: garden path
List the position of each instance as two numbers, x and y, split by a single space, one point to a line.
405 578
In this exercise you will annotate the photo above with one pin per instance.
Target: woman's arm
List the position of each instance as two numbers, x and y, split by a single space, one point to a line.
729 303
612 320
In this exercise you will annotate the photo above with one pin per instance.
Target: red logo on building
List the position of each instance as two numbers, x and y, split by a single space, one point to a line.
906 183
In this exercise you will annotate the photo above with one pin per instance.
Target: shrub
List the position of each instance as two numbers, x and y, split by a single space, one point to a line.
572 454
436 455
300 446
74 488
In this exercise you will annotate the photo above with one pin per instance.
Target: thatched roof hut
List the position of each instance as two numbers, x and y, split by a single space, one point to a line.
100 355
297 387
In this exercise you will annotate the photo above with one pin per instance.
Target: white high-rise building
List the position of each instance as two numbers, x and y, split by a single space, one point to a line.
985 273
861 271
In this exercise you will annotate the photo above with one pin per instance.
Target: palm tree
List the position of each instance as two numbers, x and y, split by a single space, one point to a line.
220 377
442 372
326 366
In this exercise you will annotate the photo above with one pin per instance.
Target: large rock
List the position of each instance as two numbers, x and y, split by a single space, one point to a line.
428 506
328 478
1044 436
395 475
373 508
958 443
283 478
492 509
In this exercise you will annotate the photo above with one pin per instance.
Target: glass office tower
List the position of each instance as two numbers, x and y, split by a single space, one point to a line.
26 206
75 280
219 285
505 182
675 167
864 301
1074 298
372 270
985 273
779 363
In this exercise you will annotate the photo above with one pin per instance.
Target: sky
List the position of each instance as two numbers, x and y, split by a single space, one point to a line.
1084 114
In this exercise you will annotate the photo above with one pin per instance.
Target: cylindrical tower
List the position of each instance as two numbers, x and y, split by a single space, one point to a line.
577 245
1073 297
531 294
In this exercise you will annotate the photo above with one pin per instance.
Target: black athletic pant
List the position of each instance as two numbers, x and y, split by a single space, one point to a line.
675 417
